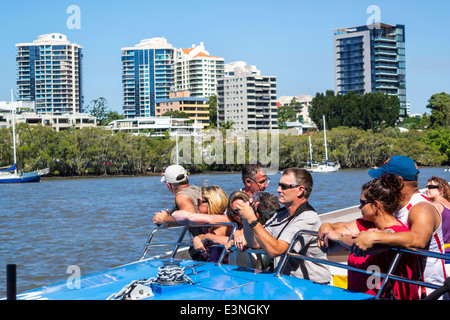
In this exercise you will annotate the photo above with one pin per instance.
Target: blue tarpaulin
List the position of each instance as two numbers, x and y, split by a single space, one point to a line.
10 169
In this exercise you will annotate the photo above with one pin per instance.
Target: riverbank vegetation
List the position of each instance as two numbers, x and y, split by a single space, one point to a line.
99 151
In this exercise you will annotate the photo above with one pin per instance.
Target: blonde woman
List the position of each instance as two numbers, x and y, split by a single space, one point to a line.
212 204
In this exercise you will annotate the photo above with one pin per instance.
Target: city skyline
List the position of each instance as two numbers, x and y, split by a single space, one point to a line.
292 40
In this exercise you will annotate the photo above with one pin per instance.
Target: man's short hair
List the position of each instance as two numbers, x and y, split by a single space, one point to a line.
250 170
302 177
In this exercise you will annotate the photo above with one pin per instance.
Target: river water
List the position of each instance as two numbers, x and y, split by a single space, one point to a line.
100 223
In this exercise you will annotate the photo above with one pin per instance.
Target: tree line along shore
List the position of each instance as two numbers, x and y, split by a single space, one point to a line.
362 132
98 151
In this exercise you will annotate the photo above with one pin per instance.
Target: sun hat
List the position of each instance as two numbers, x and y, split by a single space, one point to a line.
400 165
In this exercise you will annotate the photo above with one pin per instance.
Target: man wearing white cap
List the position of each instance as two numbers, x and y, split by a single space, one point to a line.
176 179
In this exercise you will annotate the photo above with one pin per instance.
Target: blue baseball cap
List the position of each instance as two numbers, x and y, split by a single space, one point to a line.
400 165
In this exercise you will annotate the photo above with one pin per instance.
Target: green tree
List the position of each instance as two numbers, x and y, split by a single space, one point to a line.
213 111
176 114
439 139
98 109
227 125
373 111
439 104
111 116
285 114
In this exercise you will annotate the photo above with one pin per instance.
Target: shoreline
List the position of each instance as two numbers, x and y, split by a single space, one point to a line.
154 174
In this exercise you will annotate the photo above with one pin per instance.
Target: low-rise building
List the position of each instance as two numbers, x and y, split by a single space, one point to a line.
196 108
157 126
26 114
305 103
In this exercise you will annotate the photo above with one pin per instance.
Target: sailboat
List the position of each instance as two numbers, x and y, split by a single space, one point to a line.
12 175
326 166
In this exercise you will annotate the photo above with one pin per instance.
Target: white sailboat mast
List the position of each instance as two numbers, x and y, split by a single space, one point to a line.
310 150
13 120
325 138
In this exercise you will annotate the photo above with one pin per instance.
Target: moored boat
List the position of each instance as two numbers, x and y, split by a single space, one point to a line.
12 175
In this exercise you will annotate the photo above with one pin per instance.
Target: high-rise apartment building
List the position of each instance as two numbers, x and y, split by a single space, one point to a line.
154 68
371 58
197 71
49 72
247 98
147 75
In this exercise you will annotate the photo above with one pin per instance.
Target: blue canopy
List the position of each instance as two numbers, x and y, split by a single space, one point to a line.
10 169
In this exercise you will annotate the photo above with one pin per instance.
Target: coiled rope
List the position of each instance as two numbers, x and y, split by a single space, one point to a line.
169 274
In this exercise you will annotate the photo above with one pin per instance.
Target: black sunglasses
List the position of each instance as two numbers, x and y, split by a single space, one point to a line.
364 202
430 186
288 186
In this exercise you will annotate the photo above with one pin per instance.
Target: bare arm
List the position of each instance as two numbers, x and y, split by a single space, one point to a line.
163 218
269 244
185 217
184 202
423 219
326 228
341 237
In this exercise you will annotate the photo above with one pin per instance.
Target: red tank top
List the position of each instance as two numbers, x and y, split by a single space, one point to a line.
407 267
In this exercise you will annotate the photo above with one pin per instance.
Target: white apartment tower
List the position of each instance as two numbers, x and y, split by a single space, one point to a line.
196 71
49 72
247 98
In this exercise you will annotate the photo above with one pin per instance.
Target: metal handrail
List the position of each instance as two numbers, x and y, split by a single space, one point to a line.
180 242
284 257
387 276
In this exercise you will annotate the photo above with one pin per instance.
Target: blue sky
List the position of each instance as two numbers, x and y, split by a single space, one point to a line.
291 39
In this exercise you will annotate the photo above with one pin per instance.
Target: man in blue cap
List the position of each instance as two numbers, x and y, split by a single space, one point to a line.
416 212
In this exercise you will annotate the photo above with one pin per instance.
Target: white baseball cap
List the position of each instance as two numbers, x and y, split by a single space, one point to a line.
174 174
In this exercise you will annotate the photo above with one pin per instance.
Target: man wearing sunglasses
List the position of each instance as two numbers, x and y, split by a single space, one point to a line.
254 178
274 237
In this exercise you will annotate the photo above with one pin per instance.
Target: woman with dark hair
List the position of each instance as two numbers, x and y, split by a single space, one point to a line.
380 198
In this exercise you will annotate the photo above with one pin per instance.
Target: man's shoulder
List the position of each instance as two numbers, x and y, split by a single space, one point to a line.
188 190
310 215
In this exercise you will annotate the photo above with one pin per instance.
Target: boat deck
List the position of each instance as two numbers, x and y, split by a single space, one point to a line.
210 282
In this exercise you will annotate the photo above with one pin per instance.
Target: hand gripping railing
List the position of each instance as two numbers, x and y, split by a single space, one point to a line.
387 276
180 242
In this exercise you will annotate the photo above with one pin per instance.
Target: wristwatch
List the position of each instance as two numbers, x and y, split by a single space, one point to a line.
254 223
